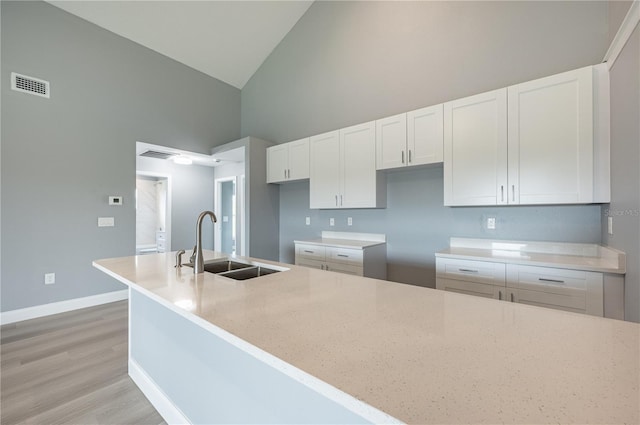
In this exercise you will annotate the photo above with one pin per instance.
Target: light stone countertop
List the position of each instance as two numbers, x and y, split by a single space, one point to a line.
421 355
587 257
340 243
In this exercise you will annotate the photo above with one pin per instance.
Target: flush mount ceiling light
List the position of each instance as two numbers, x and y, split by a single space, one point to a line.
182 160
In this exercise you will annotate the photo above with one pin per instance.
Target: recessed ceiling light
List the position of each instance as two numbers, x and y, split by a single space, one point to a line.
182 160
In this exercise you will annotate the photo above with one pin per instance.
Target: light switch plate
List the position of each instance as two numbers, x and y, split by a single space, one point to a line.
491 223
610 225
307 221
349 221
106 222
332 222
49 278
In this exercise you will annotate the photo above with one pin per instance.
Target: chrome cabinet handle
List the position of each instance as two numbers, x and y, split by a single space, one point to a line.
343 255
409 156
310 252
512 297
468 271
513 192
542 279
285 173
402 153
336 200
501 193
500 295
340 200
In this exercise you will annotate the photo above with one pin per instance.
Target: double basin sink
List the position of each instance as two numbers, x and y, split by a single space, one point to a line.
237 270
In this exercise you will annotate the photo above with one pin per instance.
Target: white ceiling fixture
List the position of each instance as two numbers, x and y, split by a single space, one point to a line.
227 40
183 157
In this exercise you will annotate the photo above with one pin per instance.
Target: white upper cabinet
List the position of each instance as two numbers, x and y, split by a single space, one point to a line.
412 138
551 139
288 161
391 142
555 151
475 149
425 135
343 169
324 170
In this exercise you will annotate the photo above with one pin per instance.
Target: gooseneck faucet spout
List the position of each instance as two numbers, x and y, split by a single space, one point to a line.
198 263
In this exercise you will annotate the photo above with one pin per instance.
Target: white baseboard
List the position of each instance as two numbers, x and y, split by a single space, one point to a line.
169 412
12 316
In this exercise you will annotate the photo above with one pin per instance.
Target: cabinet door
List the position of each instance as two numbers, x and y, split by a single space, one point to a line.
551 139
277 160
475 150
471 288
299 159
358 166
425 135
324 170
391 142
306 262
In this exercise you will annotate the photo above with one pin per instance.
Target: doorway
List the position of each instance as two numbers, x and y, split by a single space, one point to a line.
228 237
153 213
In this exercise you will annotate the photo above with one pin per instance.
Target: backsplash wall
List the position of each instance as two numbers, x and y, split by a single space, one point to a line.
417 224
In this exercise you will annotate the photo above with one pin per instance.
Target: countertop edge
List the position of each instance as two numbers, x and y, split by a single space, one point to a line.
338 243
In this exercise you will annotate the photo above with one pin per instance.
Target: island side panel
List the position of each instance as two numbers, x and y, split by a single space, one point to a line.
212 381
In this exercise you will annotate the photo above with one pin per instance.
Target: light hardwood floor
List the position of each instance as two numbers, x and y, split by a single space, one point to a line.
70 368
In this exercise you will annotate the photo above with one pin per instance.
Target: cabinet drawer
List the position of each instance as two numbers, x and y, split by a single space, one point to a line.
311 251
555 281
344 255
471 271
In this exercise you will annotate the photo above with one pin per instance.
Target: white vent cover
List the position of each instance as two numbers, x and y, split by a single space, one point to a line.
157 154
30 85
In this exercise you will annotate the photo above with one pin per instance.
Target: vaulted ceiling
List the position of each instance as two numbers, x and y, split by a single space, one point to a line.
227 40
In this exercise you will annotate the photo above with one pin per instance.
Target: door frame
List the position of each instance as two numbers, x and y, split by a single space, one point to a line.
167 229
239 219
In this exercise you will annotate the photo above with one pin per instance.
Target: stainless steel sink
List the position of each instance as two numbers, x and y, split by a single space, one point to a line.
235 269
249 272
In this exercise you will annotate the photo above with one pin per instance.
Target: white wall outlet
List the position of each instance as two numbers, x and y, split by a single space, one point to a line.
106 222
49 278
349 221
491 223
307 221
332 222
610 225
115 200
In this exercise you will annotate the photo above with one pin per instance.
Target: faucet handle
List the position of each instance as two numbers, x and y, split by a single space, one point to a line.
192 259
179 258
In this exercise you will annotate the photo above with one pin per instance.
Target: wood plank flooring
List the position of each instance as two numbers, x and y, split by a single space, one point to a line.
70 368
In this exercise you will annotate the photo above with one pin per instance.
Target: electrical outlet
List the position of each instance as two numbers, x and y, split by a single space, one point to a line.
610 225
491 223
307 221
106 222
49 278
332 222
349 221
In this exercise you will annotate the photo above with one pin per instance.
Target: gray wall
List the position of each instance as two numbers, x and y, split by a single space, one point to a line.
192 191
625 173
62 157
351 62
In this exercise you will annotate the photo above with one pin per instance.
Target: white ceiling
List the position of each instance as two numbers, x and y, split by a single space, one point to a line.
227 40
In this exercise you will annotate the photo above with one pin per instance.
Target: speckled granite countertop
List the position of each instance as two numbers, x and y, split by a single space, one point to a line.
421 355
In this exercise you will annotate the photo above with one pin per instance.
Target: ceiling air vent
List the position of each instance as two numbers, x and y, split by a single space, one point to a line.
30 85
157 154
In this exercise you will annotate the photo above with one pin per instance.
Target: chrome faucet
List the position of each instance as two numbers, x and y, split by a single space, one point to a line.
198 261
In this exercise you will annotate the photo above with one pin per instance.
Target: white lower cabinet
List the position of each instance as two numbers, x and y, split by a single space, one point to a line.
366 261
562 289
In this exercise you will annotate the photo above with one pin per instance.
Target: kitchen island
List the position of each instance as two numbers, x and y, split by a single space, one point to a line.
307 345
